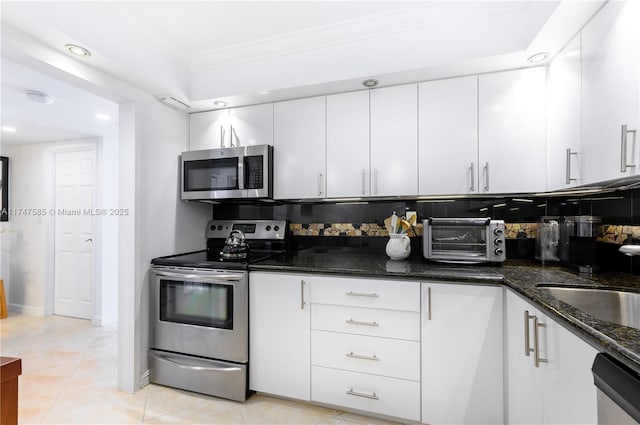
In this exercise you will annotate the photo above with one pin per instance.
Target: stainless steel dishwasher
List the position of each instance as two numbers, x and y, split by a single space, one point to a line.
618 391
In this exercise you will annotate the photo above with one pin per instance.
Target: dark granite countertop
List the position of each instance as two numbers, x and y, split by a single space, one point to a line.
521 276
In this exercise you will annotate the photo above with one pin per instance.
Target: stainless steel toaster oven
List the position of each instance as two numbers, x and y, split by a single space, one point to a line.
464 240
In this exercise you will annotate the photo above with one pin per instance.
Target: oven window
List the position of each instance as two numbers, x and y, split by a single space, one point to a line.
470 240
211 174
196 303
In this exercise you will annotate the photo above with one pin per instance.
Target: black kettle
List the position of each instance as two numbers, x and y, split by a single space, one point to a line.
235 247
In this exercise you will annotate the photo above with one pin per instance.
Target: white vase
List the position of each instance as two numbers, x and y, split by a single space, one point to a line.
398 247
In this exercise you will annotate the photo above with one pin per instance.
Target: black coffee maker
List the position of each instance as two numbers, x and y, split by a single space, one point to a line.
577 245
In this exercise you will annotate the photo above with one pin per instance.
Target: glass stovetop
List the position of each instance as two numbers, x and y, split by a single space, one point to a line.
199 260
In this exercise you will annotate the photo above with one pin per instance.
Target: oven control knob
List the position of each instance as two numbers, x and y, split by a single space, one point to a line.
276 228
498 251
220 227
268 228
497 231
498 241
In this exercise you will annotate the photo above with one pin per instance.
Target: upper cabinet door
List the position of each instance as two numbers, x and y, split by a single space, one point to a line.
564 117
209 130
394 141
448 141
610 92
252 125
299 149
348 145
512 135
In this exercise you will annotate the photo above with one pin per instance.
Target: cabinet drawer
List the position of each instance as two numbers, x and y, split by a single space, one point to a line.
392 295
366 321
368 354
377 394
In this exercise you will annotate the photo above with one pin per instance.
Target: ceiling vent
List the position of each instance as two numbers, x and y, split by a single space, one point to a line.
174 103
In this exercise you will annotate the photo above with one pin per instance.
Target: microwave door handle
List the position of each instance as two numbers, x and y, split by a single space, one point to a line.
241 171
219 278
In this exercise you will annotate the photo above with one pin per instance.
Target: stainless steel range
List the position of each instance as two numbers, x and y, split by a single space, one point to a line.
200 305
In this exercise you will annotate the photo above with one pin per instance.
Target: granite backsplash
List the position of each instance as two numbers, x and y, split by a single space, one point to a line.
359 225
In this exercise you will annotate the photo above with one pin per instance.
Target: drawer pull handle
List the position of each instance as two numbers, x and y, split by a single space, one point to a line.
362 294
362 356
357 394
356 322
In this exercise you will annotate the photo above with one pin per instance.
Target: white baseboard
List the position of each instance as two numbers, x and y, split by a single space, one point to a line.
145 379
97 321
25 309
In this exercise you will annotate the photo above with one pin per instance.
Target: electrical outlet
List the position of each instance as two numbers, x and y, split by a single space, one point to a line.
410 214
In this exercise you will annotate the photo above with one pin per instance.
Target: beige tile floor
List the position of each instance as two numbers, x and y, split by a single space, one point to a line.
69 377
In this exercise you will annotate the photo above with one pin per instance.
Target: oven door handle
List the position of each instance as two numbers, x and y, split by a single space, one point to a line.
207 278
193 367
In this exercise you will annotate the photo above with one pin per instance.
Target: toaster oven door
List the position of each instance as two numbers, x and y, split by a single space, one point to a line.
463 240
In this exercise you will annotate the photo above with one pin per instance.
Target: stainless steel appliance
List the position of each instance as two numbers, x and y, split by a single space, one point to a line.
227 173
577 246
464 240
200 309
618 389
548 239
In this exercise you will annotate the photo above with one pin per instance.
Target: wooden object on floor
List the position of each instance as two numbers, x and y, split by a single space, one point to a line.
10 369
3 301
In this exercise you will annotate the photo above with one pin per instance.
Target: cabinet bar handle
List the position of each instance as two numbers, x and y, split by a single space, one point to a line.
222 137
623 148
357 394
486 176
302 303
362 356
375 181
569 178
319 183
527 348
364 176
473 179
356 322
429 303
362 294
536 343
231 133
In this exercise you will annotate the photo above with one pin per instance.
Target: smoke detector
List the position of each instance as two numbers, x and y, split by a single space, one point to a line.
39 97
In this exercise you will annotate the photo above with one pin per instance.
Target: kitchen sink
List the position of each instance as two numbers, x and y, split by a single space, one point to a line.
615 306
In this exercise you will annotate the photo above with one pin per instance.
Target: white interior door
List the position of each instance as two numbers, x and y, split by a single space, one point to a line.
74 223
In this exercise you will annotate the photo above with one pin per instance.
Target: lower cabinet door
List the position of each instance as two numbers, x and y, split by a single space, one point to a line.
370 393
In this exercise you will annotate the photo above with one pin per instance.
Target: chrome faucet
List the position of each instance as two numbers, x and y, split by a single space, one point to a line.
630 250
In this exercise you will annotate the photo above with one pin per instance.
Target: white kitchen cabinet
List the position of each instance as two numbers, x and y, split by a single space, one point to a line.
348 145
244 126
559 389
279 334
251 125
564 111
299 149
462 354
611 92
394 141
512 131
448 136
365 345
207 130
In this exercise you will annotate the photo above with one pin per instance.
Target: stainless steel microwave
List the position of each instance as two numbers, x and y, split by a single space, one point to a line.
227 173
464 240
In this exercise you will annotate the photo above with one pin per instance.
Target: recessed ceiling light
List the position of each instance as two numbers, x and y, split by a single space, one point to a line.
78 50
370 83
103 117
8 129
220 103
39 97
538 57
